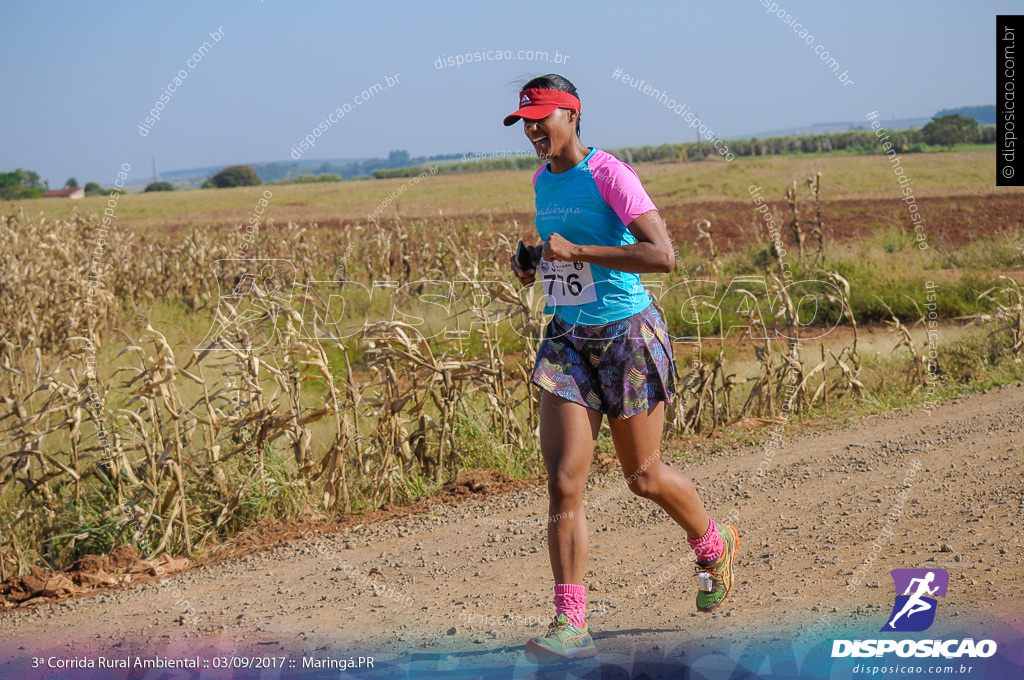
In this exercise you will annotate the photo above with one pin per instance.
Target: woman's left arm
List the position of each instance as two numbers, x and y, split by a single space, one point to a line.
652 252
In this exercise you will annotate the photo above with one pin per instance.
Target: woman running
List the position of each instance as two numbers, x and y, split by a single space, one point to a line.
606 351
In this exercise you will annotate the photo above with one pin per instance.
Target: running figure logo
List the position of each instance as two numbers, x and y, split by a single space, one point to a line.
915 609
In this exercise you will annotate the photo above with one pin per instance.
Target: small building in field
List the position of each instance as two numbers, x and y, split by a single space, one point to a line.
74 192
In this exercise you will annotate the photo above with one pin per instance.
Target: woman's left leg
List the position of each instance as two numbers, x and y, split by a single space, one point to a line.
637 441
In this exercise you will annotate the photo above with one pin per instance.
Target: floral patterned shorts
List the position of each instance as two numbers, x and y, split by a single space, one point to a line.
620 368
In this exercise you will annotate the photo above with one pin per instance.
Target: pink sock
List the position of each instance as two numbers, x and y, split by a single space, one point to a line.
708 547
571 600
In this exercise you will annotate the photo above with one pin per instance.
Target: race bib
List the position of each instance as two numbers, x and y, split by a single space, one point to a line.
567 283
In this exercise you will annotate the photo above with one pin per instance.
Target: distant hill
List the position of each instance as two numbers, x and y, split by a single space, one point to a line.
986 115
823 128
362 169
194 177
347 168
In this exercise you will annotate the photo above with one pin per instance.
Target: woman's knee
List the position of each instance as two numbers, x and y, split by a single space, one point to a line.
564 487
646 484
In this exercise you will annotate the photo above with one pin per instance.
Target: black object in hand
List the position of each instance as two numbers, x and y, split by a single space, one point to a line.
524 256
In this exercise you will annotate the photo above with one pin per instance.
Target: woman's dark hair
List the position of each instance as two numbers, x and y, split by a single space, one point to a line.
553 81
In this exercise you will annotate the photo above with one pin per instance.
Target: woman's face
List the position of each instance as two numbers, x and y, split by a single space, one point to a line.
553 135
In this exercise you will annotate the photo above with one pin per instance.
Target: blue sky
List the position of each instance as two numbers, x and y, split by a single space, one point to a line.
81 75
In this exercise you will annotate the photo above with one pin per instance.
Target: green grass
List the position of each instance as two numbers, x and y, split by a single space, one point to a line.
886 266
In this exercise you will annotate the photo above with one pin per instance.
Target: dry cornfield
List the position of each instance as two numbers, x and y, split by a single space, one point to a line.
200 438
283 407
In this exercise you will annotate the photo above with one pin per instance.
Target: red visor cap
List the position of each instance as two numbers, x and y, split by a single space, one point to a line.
537 103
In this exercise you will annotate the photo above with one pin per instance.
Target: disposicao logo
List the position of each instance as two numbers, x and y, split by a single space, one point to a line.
914 611
915 608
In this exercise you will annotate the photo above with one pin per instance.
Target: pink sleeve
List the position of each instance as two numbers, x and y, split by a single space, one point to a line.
537 174
622 190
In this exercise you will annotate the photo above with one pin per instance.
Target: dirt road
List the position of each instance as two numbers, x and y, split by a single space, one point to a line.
462 585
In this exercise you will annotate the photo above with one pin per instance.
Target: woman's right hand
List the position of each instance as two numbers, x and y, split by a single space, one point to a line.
526 277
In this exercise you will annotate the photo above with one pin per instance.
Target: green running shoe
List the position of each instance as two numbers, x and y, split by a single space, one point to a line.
714 579
562 642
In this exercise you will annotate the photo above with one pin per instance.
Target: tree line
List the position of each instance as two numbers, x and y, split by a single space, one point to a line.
946 131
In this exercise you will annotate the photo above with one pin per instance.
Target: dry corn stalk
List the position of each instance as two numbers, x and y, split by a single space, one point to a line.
917 368
1008 298
818 225
706 242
